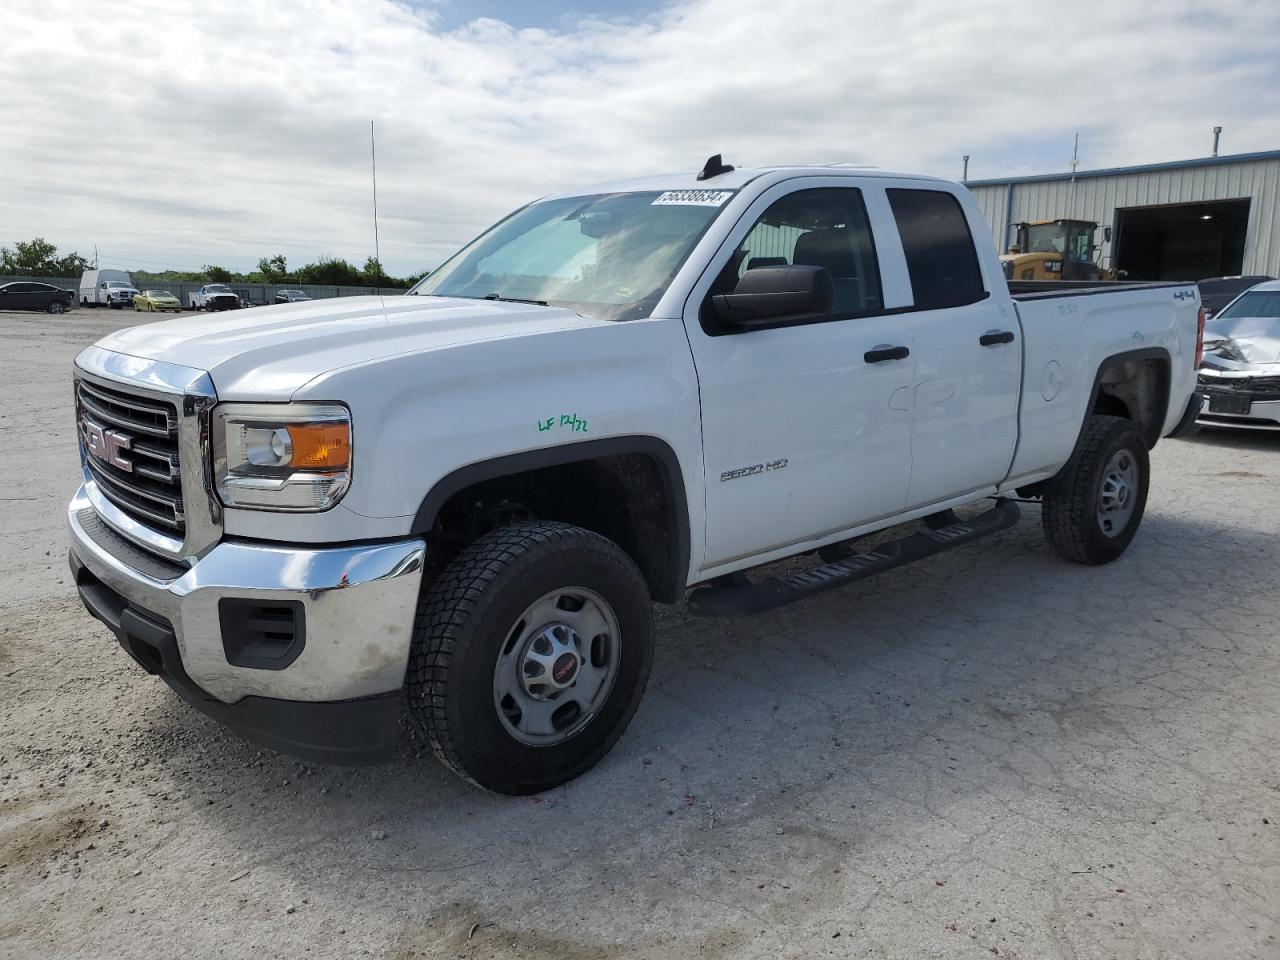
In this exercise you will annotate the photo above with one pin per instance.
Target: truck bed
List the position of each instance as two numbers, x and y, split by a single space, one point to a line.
1048 289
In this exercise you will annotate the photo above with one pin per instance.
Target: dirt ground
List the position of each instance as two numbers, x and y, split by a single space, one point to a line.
994 753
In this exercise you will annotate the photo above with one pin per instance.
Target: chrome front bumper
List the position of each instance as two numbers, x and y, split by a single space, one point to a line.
358 603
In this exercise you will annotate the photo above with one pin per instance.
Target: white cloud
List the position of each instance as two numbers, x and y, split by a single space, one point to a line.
188 132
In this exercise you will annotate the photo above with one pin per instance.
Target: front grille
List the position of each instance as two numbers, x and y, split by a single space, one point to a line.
1258 388
131 445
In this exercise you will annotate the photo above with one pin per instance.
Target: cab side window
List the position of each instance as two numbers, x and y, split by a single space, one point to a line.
821 228
941 259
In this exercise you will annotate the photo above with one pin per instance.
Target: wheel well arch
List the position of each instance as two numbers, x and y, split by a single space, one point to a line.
1134 385
629 489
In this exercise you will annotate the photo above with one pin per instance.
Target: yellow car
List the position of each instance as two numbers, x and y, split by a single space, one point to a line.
156 300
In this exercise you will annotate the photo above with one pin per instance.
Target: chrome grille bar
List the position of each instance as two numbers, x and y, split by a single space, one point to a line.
135 499
165 469
109 411
152 407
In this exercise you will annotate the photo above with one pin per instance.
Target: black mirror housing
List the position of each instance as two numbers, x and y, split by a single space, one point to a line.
776 295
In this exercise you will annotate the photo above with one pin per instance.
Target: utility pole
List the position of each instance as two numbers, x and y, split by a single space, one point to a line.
1075 162
377 253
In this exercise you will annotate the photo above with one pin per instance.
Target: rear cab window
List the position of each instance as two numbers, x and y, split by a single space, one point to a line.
942 261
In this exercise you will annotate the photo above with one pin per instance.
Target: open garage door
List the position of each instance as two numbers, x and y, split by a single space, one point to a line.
1181 241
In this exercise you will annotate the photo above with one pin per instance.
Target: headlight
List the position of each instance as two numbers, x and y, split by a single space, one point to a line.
282 456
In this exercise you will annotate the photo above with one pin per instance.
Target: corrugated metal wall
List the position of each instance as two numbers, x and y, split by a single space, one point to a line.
1097 198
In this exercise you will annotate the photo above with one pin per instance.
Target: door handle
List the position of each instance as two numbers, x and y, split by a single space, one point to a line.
992 337
886 352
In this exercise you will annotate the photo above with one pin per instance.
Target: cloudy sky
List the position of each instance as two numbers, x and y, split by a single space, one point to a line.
182 133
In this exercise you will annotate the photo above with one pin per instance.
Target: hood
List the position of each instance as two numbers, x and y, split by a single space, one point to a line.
1234 343
268 353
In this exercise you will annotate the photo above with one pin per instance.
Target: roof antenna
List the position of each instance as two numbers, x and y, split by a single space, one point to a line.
714 167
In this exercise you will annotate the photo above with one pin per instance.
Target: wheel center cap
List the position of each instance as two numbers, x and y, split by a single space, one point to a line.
564 669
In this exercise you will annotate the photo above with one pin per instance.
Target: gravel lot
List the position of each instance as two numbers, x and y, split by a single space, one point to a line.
995 753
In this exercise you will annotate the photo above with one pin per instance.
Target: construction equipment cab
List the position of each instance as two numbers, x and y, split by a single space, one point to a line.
1055 250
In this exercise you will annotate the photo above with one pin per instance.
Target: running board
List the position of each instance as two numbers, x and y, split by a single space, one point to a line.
737 601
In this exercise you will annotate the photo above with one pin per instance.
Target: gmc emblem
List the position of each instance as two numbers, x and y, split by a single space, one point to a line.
107 444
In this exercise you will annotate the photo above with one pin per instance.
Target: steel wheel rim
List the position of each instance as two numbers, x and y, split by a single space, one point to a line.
1118 493
557 666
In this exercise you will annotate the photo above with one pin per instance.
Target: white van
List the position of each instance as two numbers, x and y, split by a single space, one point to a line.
94 285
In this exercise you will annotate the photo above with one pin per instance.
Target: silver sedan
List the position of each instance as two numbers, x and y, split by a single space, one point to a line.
1241 371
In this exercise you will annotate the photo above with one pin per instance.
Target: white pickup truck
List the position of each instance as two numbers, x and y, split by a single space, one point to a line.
465 499
214 296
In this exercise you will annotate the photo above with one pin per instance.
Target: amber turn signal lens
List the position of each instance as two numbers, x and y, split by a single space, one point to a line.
320 446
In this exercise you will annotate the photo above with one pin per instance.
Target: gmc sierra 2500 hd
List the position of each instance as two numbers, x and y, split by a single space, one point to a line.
304 516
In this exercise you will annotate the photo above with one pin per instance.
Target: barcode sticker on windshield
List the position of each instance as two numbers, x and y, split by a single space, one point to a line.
692 198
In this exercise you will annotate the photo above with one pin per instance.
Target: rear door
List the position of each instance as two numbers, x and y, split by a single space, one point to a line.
803 435
43 294
967 349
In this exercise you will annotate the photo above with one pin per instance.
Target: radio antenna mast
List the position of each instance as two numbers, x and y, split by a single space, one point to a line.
377 253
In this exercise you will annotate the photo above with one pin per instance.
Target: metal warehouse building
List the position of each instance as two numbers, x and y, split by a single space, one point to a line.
1217 216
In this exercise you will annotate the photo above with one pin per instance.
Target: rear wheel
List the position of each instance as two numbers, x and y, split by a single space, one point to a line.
1093 509
530 654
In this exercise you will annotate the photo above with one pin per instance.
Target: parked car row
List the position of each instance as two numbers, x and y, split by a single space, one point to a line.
115 289
103 288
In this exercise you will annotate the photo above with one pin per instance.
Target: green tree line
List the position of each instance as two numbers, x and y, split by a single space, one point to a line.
39 258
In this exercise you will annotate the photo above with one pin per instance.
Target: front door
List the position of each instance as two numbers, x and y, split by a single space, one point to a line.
803 435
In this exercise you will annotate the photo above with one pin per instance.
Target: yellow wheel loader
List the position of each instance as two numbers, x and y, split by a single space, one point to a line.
1055 250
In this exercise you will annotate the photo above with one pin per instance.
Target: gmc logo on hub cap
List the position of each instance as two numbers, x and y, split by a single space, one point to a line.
107 444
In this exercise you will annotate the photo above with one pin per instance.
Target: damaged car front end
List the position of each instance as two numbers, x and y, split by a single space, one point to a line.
1240 376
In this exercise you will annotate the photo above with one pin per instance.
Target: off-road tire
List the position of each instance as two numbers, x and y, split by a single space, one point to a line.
464 618
1070 509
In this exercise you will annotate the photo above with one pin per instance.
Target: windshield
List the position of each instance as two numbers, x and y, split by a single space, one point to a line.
217 288
609 256
1045 238
114 284
1264 303
160 293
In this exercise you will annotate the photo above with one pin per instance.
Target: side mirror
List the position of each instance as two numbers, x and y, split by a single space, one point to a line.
1106 234
769 295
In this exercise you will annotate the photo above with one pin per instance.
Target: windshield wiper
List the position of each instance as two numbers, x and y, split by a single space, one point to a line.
494 296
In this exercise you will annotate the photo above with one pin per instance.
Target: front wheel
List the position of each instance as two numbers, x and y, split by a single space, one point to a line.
57 306
530 655
1092 510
